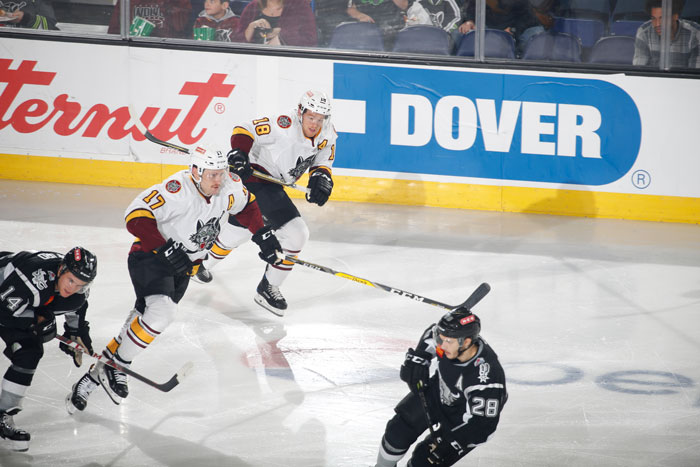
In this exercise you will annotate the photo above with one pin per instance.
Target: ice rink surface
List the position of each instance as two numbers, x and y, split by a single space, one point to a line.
596 322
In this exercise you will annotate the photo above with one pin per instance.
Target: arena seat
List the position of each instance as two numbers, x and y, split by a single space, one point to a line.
630 10
625 28
587 9
423 40
497 44
691 11
553 46
357 36
587 30
615 50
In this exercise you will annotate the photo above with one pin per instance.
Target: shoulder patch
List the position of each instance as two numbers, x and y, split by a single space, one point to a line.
284 121
173 186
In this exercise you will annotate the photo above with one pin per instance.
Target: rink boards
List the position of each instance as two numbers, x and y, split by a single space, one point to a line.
518 141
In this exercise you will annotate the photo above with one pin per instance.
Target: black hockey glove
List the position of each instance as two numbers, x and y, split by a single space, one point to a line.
444 451
320 187
270 248
239 163
44 326
415 370
81 336
174 256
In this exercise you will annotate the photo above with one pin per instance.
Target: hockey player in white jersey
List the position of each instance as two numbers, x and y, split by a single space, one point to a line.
175 223
284 147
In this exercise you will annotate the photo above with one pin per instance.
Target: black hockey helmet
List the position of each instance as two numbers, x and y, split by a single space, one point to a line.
460 324
81 263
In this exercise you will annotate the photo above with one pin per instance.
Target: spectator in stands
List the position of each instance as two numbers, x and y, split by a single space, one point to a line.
684 48
544 12
389 15
443 14
278 22
30 14
218 16
170 17
512 16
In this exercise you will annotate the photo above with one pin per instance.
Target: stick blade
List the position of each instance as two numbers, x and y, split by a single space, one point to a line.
177 377
476 296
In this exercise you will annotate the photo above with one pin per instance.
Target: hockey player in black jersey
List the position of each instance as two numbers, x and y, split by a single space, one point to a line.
463 399
36 287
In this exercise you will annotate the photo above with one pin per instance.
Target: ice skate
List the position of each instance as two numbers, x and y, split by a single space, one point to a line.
203 275
114 383
77 398
13 437
270 297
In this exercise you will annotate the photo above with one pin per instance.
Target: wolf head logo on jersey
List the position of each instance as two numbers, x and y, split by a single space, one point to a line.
300 168
206 233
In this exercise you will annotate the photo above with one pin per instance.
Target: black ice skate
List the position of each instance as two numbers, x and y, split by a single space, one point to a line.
270 297
203 276
13 437
114 382
77 398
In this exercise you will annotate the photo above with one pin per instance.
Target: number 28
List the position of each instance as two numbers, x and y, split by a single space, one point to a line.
490 406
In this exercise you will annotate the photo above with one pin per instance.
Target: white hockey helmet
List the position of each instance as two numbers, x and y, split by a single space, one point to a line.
204 158
314 101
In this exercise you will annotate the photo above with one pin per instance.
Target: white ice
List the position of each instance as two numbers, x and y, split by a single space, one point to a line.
597 324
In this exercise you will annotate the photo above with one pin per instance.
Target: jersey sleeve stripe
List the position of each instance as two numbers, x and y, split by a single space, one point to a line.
218 251
239 130
30 286
140 212
481 387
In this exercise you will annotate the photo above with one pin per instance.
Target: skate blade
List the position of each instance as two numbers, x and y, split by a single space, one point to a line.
104 382
19 446
70 408
200 281
260 300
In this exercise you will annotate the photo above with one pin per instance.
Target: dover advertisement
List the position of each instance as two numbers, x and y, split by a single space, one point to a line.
493 128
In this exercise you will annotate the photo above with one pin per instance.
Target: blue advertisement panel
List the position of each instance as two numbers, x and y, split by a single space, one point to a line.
488 125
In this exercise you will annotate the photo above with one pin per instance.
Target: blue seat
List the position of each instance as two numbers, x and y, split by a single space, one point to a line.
616 50
497 44
625 28
553 46
423 40
631 10
357 36
587 30
691 11
237 6
587 9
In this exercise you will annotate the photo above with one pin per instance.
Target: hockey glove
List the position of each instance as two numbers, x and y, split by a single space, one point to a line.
415 370
44 327
239 163
82 337
320 187
444 451
270 248
175 257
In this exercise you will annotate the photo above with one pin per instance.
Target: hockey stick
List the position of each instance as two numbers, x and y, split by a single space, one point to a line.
473 299
426 411
149 136
165 387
